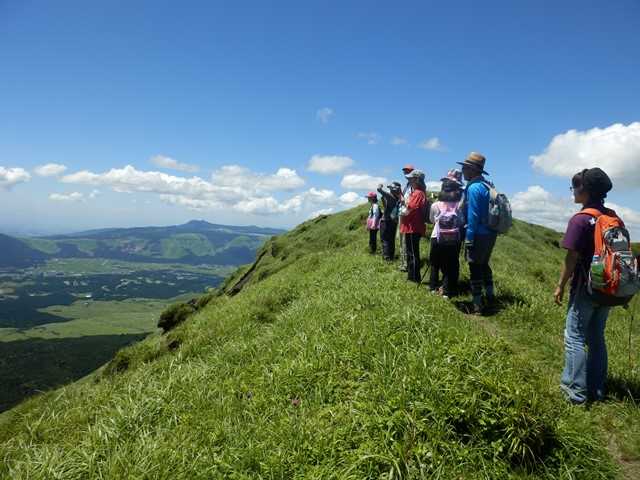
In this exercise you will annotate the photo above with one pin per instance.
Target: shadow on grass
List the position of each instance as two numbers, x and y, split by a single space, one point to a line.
32 366
502 302
622 389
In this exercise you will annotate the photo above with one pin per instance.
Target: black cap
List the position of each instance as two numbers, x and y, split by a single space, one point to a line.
596 182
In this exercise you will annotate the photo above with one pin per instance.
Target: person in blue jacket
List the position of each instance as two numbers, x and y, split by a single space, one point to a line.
479 239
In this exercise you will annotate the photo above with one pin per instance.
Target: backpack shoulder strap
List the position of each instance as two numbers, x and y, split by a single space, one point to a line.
594 212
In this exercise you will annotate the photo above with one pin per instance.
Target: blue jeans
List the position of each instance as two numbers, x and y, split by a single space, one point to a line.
585 368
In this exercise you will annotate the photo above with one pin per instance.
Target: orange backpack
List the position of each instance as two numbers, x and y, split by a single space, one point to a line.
613 278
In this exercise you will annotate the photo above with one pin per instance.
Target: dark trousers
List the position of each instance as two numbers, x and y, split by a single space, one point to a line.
445 259
388 236
479 269
412 244
373 241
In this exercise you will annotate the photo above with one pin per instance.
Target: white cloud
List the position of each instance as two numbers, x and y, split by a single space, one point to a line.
235 176
615 149
67 197
94 194
9 177
399 141
351 199
50 170
328 164
320 196
372 138
434 186
631 219
197 204
171 164
324 115
323 211
540 207
269 206
129 179
361 181
432 143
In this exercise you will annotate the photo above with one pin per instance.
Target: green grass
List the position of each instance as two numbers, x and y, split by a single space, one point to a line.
90 266
94 318
328 364
46 246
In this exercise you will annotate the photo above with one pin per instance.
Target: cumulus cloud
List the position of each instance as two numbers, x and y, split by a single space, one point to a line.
372 138
615 149
169 163
329 164
536 205
67 197
235 176
317 213
324 115
432 143
9 177
630 217
129 180
434 186
351 199
399 141
361 181
50 170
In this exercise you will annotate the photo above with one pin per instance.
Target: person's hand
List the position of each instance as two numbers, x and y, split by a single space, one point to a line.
468 249
558 294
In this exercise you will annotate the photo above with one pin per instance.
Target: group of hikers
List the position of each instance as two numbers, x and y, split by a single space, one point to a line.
599 264
459 217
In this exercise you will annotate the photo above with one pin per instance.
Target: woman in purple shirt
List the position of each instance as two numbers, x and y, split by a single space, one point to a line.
585 369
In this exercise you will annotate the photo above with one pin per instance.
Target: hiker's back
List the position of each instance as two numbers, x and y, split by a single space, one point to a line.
448 220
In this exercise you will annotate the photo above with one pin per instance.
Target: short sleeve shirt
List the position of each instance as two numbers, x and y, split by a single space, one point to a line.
579 238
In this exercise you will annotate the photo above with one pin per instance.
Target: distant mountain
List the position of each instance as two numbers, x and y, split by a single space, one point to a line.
196 242
16 253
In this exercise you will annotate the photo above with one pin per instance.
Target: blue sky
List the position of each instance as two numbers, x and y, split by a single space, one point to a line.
233 99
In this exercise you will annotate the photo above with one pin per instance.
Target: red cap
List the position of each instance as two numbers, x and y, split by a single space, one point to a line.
408 167
372 195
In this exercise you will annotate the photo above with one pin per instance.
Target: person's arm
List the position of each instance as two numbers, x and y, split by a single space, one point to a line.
433 213
385 194
416 200
473 217
568 269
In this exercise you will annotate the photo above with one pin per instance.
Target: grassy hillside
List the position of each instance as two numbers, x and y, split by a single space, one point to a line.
323 362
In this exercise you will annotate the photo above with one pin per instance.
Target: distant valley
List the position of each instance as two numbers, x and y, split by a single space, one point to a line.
68 302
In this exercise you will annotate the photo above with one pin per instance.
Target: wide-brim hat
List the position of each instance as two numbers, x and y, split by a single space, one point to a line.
475 160
453 175
394 186
415 174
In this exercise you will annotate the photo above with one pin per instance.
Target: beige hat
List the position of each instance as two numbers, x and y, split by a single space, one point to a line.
475 160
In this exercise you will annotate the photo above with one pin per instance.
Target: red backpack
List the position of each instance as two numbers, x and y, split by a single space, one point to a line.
613 278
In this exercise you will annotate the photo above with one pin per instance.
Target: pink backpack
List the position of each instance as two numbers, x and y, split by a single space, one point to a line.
448 223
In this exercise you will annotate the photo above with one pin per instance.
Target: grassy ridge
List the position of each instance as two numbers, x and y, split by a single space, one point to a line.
327 364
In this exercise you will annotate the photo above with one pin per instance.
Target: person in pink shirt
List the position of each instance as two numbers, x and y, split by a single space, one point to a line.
412 222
